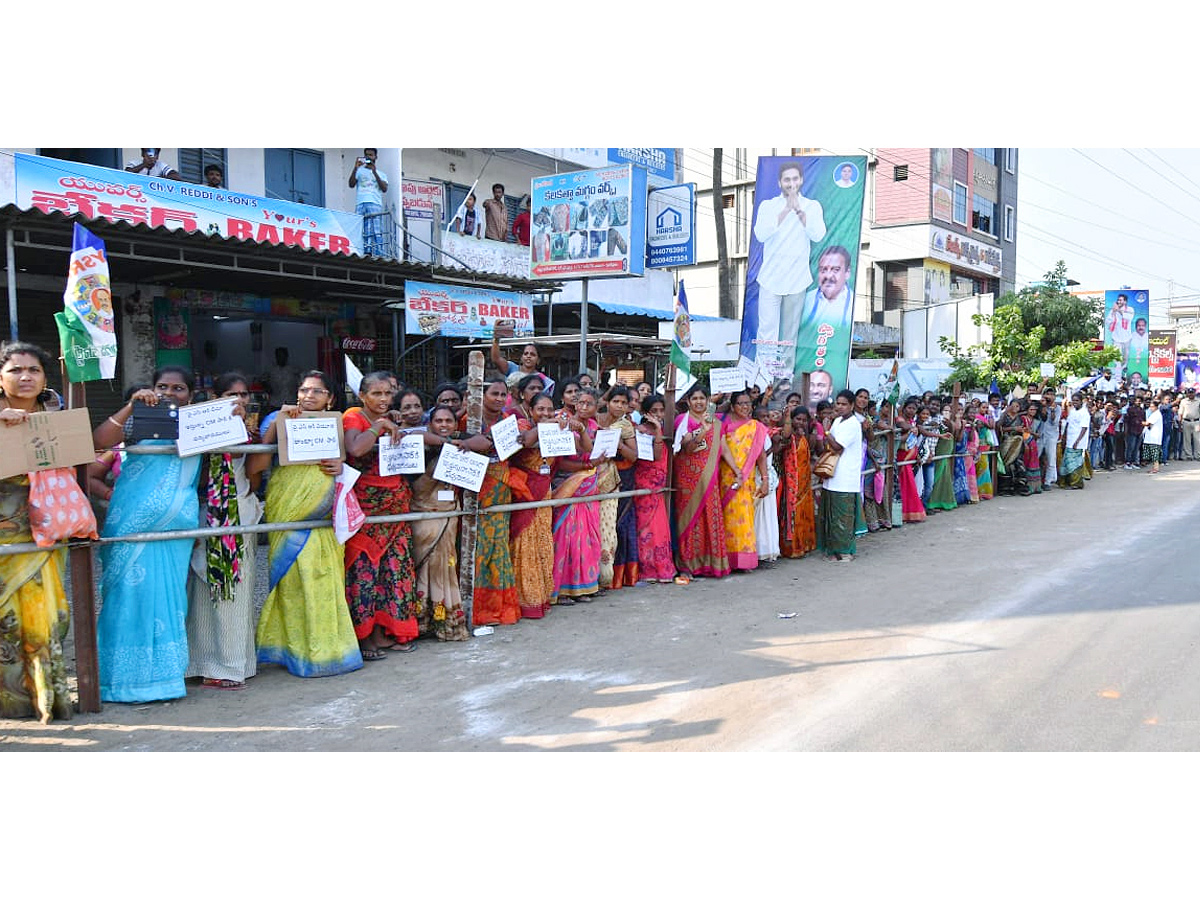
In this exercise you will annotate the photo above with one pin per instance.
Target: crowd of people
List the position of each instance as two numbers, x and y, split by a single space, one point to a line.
755 478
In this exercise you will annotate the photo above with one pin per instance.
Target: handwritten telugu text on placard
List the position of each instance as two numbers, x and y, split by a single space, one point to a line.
460 467
726 379
207 426
645 444
606 442
312 440
506 436
555 441
404 457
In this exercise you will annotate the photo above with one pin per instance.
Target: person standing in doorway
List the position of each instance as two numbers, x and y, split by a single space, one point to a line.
496 213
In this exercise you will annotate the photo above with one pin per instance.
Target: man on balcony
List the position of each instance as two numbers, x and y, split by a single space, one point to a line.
497 215
371 184
151 166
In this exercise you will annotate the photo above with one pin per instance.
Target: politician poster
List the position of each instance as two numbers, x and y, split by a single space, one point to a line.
798 312
1127 327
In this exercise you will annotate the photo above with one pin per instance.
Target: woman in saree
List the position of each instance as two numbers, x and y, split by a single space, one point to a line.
908 450
766 508
380 576
1031 456
942 495
435 540
141 636
655 560
959 429
618 521
1011 429
305 624
496 601
699 448
985 460
797 508
745 438
220 612
877 505
34 616
576 527
530 530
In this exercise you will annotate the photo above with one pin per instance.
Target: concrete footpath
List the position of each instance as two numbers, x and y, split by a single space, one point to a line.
807 654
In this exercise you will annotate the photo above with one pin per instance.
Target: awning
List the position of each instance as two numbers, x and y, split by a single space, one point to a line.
624 309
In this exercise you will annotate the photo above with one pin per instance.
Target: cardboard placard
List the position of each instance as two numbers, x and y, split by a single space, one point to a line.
405 457
46 440
727 379
645 444
555 441
461 467
207 426
309 439
506 436
606 443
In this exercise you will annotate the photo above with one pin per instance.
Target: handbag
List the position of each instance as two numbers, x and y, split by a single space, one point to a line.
58 510
827 464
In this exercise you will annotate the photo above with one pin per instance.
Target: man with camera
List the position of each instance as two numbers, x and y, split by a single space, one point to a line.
151 166
371 184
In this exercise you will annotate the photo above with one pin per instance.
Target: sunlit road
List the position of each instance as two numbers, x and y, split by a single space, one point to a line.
1061 622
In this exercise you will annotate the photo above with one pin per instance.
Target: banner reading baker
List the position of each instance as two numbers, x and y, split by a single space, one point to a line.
798 312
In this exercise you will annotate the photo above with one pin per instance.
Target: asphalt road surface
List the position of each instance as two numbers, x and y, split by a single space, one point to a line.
1066 621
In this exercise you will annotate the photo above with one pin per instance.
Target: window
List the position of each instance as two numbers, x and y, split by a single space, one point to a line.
900 173
109 157
728 201
296 175
960 203
1010 223
1010 160
986 153
983 215
193 160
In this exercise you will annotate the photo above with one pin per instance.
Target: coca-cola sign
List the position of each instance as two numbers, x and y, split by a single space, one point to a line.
359 344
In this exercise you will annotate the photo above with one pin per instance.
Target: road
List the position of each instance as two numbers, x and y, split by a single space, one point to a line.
1059 622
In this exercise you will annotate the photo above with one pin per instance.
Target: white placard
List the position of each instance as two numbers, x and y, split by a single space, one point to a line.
645 446
555 441
207 426
506 436
606 442
354 376
1047 370
460 467
752 372
312 439
404 457
726 379
445 496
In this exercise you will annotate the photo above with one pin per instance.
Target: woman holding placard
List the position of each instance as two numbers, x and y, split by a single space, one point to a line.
435 540
699 448
305 624
531 529
495 601
618 521
576 526
141 635
220 614
746 440
380 576
655 562
34 614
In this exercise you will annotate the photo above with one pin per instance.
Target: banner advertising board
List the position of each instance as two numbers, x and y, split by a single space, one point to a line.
1187 370
418 199
799 303
671 226
1127 327
589 224
1160 365
914 376
56 185
464 311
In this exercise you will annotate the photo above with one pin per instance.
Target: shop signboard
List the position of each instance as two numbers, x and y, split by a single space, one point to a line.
671 226
421 199
56 185
455 311
589 224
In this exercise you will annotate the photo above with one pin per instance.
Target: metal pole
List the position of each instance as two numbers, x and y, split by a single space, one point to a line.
469 527
583 328
10 257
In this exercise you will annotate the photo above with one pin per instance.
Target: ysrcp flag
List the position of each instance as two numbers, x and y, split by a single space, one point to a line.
86 327
799 306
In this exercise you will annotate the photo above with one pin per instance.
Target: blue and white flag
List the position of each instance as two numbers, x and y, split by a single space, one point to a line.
86 327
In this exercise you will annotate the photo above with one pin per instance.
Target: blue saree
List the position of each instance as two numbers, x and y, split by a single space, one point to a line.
141 634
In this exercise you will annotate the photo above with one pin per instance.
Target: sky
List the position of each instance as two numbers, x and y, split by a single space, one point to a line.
1117 216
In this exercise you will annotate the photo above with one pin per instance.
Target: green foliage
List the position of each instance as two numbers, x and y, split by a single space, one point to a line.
868 354
1037 326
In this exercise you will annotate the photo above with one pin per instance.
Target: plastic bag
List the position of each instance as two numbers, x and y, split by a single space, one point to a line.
348 516
58 509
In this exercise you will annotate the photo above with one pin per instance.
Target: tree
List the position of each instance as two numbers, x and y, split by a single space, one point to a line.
1064 318
727 307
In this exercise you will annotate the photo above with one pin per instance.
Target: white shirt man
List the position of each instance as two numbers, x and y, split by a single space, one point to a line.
847 477
1120 326
832 301
151 166
1079 422
786 226
1105 383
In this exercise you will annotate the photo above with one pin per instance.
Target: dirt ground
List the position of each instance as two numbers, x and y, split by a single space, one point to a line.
656 667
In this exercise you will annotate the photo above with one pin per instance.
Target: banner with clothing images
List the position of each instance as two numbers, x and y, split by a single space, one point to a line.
1127 327
798 311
